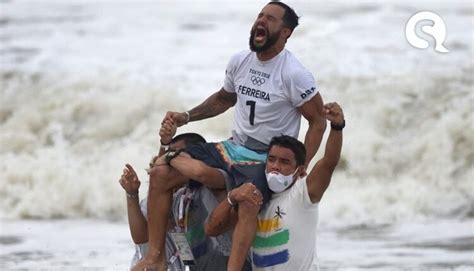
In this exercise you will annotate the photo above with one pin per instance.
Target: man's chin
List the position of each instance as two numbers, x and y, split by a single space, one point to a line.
260 47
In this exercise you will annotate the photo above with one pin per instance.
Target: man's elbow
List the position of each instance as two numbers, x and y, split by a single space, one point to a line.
332 162
209 230
332 165
321 124
318 124
209 177
329 162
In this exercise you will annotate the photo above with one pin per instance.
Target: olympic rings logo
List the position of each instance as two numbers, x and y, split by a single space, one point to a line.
256 80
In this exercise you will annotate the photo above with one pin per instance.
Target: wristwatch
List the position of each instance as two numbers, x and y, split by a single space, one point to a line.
164 146
171 155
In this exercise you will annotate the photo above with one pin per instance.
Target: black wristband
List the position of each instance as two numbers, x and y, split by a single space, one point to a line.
171 155
338 127
161 142
164 146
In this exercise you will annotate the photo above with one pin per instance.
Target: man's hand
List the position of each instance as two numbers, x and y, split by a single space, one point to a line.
178 118
246 192
129 180
333 112
167 131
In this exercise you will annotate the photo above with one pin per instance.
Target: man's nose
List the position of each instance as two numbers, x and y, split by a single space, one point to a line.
262 21
275 167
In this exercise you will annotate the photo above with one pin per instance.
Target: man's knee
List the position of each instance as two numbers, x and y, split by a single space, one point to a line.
165 178
159 178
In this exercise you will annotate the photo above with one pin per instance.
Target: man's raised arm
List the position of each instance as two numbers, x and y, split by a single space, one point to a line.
320 176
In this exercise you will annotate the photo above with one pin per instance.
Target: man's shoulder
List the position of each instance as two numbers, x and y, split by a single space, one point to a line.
293 65
300 184
241 56
295 192
294 73
242 53
291 58
300 194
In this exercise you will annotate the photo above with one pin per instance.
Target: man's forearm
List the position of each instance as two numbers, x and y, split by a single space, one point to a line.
137 222
313 138
333 148
216 104
220 219
198 171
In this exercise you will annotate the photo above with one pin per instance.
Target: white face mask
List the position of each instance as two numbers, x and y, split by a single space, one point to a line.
278 182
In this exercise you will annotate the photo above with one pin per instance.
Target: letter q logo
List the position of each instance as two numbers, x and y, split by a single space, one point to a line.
437 31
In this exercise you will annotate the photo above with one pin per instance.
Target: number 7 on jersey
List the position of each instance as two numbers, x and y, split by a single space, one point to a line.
252 111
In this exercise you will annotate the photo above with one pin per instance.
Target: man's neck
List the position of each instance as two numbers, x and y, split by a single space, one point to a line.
270 53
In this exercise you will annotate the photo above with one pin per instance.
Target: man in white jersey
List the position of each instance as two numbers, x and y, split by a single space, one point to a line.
286 227
271 90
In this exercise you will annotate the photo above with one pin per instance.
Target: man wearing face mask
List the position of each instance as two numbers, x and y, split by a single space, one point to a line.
286 226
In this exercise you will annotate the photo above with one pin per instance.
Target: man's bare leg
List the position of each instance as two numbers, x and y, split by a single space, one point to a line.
243 235
163 180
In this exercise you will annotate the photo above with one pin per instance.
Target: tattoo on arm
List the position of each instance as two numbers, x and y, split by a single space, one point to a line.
216 104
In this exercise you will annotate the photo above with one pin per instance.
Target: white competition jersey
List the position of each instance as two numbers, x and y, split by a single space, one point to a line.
286 232
268 94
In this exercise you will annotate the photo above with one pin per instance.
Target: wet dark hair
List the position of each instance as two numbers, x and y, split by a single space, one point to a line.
290 19
291 143
189 139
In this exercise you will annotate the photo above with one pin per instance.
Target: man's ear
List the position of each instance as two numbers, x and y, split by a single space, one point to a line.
301 172
286 32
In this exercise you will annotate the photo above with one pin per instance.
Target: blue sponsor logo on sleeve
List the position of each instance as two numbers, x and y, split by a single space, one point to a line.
307 92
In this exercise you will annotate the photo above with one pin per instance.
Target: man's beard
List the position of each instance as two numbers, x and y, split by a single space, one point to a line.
271 39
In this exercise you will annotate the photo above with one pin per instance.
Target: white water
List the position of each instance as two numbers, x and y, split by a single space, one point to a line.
102 245
85 86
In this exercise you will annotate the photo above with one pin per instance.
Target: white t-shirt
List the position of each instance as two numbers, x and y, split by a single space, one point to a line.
268 94
286 232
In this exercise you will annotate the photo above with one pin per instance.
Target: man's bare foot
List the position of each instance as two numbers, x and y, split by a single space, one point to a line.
149 264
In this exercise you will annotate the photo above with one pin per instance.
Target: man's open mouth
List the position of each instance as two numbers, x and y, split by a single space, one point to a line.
260 34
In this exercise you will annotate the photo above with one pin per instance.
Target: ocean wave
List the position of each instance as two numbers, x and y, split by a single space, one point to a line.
80 99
